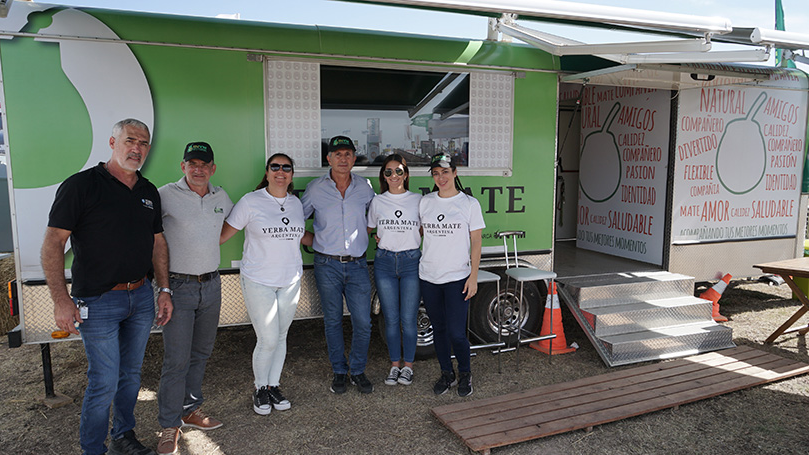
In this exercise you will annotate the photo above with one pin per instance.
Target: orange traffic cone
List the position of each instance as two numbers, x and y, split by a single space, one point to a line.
558 344
714 294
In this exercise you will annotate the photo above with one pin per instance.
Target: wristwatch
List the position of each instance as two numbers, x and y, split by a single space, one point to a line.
167 291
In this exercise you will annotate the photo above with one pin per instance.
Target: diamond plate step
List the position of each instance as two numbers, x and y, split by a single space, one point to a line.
623 288
634 317
666 342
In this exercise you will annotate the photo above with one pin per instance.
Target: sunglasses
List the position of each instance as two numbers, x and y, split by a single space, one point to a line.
286 167
389 172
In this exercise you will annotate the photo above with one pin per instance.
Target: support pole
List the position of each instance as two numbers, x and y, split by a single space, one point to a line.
47 371
52 399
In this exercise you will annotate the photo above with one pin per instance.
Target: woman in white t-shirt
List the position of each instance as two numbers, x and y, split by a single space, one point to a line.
271 271
452 223
395 215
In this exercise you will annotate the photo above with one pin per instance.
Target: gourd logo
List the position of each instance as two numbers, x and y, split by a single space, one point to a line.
600 162
112 86
741 156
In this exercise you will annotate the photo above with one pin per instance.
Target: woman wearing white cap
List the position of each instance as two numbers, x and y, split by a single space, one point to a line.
452 222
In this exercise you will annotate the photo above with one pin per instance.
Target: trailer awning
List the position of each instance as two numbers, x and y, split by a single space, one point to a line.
757 41
691 75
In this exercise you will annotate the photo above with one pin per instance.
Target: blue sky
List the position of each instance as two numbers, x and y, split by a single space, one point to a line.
742 13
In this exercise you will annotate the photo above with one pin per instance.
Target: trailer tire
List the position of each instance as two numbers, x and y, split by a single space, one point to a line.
483 311
424 341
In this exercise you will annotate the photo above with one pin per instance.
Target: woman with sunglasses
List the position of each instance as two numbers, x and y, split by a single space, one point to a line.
395 215
271 270
452 222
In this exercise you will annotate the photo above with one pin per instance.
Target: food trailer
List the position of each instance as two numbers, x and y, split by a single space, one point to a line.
610 163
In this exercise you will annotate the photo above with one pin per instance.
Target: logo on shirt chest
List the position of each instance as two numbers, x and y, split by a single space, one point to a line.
147 203
218 210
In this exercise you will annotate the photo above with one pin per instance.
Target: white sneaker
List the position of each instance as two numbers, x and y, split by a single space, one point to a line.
405 376
393 376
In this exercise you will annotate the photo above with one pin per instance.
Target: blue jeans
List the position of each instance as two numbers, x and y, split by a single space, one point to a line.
397 283
448 310
188 341
114 334
350 279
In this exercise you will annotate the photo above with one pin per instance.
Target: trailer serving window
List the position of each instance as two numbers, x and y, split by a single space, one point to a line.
416 113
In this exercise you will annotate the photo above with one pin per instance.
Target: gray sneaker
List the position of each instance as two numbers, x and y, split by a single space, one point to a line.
128 444
405 376
393 376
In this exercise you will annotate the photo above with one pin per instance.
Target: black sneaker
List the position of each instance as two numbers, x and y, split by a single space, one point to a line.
261 401
278 401
338 384
444 383
464 383
128 444
362 383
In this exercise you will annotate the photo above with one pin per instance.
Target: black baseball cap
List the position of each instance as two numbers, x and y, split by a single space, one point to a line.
341 142
198 151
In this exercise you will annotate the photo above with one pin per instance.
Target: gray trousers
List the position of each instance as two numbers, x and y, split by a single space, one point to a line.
188 341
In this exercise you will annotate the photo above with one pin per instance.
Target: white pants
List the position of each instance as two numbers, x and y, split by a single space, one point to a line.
271 311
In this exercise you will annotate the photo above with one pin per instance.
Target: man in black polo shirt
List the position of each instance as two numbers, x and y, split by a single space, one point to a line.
112 216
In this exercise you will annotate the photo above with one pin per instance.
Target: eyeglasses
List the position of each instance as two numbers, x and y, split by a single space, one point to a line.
389 172
275 167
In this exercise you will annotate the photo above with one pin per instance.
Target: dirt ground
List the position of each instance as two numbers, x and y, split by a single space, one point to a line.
762 420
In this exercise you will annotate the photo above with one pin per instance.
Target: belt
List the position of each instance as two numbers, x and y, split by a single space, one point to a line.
131 286
342 259
198 278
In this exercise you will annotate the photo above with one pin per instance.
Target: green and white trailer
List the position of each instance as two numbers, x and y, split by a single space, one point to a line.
678 168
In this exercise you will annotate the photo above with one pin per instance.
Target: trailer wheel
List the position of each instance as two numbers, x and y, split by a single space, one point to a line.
424 340
484 312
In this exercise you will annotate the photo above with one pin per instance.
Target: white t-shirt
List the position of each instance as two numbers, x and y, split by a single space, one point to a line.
447 223
272 238
396 219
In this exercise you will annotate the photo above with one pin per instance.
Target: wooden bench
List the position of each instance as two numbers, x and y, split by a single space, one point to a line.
583 403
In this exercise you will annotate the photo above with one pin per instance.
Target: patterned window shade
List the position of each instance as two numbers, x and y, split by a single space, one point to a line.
491 120
293 110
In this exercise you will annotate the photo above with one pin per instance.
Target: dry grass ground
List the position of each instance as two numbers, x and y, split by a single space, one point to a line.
762 420
7 322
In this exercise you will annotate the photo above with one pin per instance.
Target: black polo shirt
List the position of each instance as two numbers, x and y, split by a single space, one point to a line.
112 228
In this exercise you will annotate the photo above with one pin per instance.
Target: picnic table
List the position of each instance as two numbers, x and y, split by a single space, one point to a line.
787 269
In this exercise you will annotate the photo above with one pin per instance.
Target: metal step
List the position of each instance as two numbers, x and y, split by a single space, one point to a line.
621 288
638 317
634 317
667 342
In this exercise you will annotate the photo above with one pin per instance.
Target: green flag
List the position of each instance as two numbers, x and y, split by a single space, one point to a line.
779 25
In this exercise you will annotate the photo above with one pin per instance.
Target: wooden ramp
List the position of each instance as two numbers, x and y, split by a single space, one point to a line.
583 403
